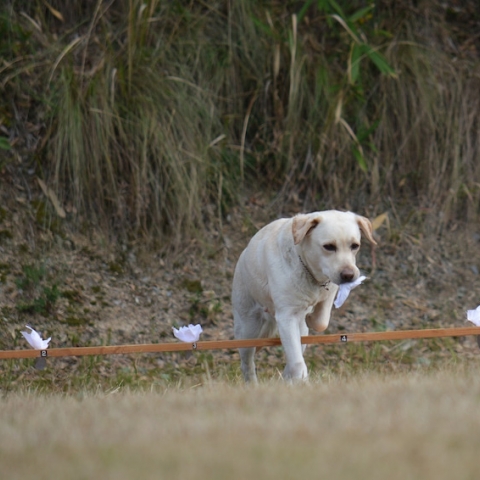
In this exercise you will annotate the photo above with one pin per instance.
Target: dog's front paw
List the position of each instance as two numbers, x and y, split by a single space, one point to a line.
296 372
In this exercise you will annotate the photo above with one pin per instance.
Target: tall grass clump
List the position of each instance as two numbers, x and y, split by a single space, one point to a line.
154 116
430 125
134 136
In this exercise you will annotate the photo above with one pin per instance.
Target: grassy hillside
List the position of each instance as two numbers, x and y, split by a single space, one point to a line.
192 124
153 118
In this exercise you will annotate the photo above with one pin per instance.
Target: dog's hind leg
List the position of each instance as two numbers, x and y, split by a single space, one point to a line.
247 326
247 357
259 325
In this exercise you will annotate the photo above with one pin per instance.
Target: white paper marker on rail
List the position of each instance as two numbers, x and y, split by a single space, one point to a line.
35 340
474 316
189 334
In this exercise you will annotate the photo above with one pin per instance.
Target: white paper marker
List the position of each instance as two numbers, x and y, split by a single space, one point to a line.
344 291
35 340
188 334
474 316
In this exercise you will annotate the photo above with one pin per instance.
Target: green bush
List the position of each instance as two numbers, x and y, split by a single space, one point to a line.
36 295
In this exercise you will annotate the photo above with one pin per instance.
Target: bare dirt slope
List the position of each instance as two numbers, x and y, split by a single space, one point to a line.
115 294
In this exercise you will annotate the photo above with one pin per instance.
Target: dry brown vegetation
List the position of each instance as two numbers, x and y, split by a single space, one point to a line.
414 426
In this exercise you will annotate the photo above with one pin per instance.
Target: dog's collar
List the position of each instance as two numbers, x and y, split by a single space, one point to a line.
312 276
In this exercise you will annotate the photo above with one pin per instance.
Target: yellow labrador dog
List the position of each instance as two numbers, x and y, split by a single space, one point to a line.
287 278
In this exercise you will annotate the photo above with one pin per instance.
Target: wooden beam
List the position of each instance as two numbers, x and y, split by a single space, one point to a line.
234 344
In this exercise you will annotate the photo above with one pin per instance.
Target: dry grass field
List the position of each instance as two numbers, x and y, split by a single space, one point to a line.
364 426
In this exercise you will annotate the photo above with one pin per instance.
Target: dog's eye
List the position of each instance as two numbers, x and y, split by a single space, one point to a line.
330 247
355 246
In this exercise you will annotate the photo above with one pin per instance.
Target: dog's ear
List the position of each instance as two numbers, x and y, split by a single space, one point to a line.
366 228
302 225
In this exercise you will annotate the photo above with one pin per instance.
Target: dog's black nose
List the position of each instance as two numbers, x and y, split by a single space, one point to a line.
346 275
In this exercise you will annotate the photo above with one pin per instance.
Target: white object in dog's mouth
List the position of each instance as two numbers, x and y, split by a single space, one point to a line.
344 291
474 316
188 334
35 340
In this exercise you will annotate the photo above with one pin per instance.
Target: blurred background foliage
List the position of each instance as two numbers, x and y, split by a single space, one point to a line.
154 118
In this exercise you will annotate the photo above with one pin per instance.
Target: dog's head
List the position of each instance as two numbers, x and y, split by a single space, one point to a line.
329 242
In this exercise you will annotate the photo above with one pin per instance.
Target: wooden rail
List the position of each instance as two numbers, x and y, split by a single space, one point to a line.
234 344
